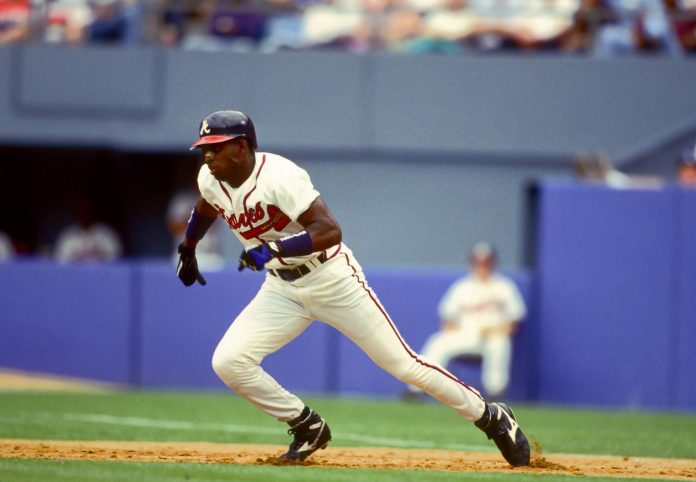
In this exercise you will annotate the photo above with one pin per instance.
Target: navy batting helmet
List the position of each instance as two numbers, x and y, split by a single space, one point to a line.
224 125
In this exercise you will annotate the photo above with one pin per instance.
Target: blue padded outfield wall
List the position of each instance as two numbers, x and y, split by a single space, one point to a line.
136 324
612 313
616 314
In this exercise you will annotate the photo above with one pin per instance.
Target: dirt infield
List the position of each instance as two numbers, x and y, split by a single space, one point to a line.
344 457
375 458
17 380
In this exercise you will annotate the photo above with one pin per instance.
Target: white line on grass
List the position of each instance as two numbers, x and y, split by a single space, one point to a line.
248 429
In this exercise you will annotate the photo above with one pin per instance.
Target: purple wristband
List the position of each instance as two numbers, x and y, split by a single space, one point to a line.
296 245
198 225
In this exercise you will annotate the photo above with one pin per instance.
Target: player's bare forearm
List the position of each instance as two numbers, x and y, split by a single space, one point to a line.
205 209
321 225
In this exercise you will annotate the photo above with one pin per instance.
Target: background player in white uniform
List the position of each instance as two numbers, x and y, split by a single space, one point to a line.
479 314
286 228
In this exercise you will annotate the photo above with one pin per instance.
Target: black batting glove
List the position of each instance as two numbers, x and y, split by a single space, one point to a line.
187 269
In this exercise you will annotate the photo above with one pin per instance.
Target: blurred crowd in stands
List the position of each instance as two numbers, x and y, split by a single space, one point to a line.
594 27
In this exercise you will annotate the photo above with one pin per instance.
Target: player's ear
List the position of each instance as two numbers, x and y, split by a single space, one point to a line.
247 144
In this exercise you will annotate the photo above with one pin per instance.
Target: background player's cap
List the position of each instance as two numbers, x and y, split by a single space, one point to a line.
483 251
225 125
688 157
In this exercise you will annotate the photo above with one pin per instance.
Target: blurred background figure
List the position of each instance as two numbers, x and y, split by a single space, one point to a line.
238 25
682 15
172 21
597 167
588 19
88 240
403 32
14 21
7 250
479 314
330 24
210 249
641 26
452 24
686 168
113 22
66 21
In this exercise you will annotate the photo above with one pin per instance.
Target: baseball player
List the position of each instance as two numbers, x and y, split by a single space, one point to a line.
287 229
479 314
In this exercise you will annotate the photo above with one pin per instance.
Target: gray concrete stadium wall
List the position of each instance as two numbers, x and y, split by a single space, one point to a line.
417 155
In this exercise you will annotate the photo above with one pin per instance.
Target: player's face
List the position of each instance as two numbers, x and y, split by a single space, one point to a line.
483 268
687 175
228 161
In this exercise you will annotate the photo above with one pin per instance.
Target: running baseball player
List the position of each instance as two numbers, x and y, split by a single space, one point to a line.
479 314
287 229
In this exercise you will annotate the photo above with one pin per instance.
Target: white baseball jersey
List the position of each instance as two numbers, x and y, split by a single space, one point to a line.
475 304
333 289
266 206
6 247
96 243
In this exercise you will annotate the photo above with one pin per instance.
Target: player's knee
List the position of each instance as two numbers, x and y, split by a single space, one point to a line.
231 367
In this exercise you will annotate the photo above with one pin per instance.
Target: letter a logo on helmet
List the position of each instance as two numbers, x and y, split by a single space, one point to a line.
224 125
204 128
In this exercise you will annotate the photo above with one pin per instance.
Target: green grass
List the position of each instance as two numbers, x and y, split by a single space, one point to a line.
75 471
223 417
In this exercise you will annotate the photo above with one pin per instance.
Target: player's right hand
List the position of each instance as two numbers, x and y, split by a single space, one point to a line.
187 269
256 258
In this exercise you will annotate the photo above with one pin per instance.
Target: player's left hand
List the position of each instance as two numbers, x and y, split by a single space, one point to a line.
256 258
187 269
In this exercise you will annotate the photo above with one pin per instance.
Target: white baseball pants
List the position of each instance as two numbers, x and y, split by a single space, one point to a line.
337 294
495 352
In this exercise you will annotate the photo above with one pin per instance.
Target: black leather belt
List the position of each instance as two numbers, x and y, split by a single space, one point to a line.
292 274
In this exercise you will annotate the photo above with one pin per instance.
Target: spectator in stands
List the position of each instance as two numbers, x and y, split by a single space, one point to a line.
587 19
67 21
545 23
332 24
403 32
209 251
368 34
683 22
172 20
479 314
598 168
453 24
641 27
14 21
109 23
686 168
7 250
87 240
238 25
515 24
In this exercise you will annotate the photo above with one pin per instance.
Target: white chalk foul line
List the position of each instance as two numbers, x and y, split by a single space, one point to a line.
247 429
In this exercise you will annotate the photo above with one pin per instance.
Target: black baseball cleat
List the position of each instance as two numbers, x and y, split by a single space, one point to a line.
311 434
499 423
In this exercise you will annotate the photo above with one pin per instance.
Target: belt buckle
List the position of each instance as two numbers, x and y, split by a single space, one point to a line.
292 274
285 274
